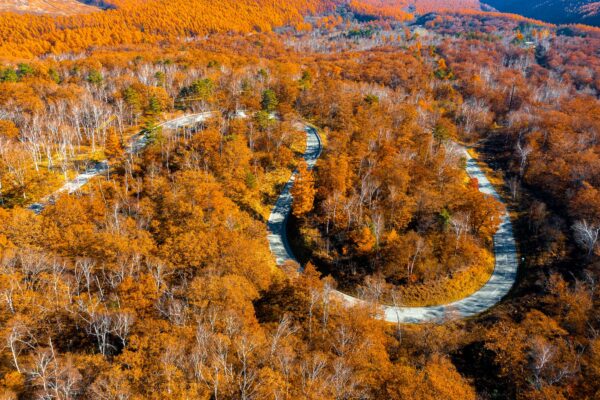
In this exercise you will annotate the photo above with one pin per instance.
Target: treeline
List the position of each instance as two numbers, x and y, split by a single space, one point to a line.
133 22
137 22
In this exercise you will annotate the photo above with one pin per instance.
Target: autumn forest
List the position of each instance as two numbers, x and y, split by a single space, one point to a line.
300 199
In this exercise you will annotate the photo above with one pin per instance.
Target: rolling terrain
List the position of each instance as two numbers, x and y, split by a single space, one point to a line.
554 11
322 232
46 7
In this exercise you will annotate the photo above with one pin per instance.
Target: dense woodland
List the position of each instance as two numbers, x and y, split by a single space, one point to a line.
155 281
392 199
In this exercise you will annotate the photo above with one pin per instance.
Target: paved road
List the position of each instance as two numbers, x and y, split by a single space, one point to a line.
492 292
498 286
140 141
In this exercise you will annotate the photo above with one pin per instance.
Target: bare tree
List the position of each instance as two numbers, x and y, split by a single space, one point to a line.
523 153
313 374
344 340
284 330
419 247
325 296
84 267
379 226
41 373
100 327
7 295
397 302
373 289
459 223
122 326
109 387
586 235
514 186
313 297
247 375
32 139
18 339
475 113
343 380
210 358
158 272
54 379
542 354
551 363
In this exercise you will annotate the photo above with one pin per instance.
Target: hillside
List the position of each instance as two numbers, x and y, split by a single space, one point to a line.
46 7
554 11
136 22
298 200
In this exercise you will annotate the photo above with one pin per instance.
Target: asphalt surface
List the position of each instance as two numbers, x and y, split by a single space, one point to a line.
505 251
498 286
139 142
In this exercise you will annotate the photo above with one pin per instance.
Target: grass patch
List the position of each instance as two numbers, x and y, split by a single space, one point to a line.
448 289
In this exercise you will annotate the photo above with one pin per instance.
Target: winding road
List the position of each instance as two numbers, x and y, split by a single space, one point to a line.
139 142
505 251
498 286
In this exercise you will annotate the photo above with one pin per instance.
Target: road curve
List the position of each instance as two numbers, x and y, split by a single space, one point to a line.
498 286
139 142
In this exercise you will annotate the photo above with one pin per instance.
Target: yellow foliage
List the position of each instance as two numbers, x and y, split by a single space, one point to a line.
365 240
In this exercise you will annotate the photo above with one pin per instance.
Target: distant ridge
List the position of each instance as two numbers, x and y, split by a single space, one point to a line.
47 7
554 11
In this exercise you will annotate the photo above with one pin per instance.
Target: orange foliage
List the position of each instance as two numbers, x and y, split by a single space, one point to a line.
51 7
381 8
156 280
514 17
144 22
